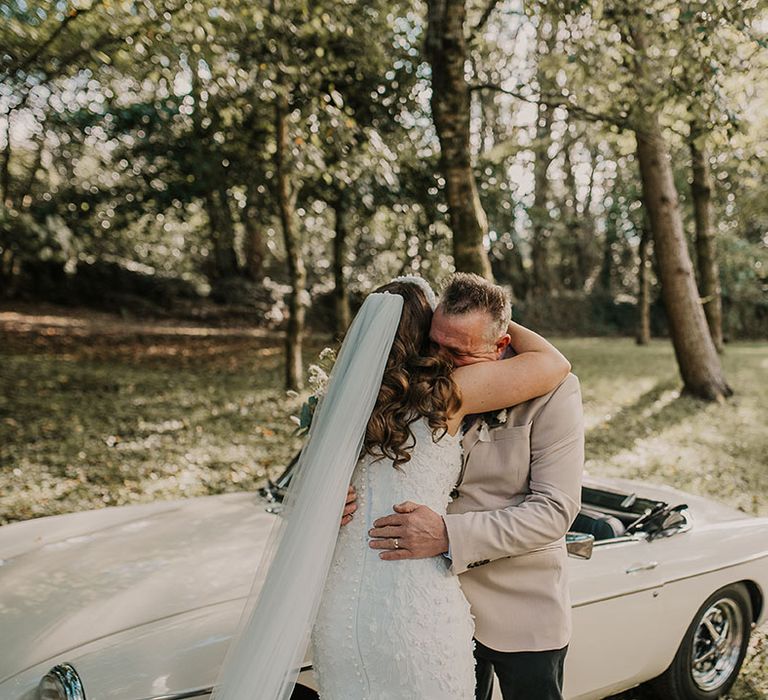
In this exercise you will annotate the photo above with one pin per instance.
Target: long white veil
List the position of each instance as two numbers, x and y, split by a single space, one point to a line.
268 647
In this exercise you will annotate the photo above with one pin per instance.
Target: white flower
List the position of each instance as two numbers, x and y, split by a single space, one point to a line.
484 433
295 419
317 379
502 415
327 354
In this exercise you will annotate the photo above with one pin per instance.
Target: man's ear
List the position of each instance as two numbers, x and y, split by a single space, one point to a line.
503 343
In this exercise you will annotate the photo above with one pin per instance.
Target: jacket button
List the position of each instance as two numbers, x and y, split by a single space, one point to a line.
454 493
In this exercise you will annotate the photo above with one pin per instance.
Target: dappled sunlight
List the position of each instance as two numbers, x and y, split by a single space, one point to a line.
603 398
105 324
654 411
709 449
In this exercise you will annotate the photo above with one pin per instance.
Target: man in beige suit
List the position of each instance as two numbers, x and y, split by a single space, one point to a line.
505 530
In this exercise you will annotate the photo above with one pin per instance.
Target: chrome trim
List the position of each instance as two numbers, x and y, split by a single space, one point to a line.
675 530
195 693
716 648
579 545
647 566
199 692
67 677
637 537
640 536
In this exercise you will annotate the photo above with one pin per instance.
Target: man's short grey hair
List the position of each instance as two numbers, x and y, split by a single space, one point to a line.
467 292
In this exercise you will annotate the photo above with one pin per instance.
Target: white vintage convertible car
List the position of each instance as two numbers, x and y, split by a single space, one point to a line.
138 602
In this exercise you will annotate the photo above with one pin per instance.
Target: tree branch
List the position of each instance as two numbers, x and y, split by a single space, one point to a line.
622 122
487 12
71 17
53 71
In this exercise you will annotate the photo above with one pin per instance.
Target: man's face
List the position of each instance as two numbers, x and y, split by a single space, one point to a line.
467 337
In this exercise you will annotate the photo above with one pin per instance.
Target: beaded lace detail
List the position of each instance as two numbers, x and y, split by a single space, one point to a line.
395 630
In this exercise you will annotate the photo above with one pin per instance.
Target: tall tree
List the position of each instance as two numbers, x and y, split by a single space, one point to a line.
341 315
297 274
254 247
706 243
542 279
696 354
446 49
634 54
644 287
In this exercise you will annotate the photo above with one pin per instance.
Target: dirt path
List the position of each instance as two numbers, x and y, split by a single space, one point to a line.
80 321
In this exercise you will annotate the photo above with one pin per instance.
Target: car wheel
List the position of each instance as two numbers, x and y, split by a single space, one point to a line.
302 693
712 651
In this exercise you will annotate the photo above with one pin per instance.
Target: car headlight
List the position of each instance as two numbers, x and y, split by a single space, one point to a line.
61 683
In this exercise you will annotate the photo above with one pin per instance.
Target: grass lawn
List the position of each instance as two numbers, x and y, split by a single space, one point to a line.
94 412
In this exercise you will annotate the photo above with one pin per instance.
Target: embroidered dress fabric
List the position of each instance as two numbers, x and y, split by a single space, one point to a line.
395 630
270 642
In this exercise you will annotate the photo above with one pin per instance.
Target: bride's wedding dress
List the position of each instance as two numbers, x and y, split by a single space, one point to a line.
395 630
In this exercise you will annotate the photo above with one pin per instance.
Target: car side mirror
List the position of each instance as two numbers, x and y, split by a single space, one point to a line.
579 545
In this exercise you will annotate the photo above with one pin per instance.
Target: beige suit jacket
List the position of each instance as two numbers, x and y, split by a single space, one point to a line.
520 492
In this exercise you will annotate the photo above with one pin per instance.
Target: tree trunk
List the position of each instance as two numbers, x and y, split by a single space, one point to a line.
254 248
587 262
294 368
341 313
542 280
573 276
222 234
25 194
541 222
612 216
5 165
644 288
696 355
225 241
706 245
224 260
447 53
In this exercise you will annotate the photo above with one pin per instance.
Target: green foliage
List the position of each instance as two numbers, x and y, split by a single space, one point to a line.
143 134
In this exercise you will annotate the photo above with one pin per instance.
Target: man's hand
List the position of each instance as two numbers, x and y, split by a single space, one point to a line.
417 531
350 506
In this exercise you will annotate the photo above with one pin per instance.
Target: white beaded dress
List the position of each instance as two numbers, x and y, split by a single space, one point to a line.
395 630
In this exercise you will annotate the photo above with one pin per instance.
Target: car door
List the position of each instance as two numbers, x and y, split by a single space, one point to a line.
618 604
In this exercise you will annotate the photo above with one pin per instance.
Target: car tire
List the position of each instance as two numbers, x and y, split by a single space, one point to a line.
302 693
704 667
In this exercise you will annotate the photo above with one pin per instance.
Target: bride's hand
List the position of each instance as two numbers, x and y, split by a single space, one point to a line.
413 532
350 507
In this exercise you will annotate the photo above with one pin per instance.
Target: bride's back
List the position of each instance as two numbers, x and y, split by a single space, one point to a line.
376 615
388 630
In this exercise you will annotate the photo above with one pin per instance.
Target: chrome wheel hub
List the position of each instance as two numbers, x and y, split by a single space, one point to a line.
717 645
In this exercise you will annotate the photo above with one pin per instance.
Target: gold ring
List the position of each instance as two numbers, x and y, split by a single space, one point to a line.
397 546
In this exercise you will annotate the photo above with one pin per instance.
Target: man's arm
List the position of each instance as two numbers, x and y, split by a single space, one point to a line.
543 517
546 513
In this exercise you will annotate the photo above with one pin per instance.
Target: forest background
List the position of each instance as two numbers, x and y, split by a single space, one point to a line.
195 196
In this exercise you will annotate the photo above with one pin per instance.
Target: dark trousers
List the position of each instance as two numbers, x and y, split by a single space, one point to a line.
523 675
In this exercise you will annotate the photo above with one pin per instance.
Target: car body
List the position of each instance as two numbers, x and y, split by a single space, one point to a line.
138 602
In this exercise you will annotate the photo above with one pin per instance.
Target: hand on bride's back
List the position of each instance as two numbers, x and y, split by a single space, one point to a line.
350 506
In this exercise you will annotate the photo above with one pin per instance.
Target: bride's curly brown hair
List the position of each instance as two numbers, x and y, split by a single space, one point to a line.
416 383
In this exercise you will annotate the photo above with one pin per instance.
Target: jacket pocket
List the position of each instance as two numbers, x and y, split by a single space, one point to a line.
501 465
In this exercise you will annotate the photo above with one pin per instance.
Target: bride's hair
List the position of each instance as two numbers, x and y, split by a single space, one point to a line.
416 383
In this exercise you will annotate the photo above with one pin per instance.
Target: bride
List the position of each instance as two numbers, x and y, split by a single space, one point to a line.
389 424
